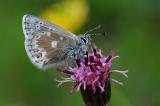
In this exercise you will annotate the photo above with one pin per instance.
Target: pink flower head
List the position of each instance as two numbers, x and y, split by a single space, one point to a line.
93 70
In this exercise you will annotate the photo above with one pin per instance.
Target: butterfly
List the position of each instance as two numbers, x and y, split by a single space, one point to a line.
48 44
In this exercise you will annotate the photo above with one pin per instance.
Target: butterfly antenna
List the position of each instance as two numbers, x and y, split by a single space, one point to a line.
103 33
97 27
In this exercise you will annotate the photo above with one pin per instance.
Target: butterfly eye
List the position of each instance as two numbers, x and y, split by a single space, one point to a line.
84 40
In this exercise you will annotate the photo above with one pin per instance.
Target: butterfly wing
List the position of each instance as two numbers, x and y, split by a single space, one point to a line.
46 43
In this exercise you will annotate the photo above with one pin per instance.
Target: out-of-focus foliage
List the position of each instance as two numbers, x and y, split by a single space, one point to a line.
71 14
133 30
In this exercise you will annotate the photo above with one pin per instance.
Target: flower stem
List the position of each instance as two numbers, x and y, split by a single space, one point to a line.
98 98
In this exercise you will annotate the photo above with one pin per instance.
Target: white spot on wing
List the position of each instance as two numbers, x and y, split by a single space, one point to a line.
61 38
54 44
48 33
44 54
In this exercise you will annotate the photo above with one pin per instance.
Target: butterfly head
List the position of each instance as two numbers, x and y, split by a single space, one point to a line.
80 49
85 39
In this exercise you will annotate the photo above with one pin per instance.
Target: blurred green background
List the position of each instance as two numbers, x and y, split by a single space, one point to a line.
133 28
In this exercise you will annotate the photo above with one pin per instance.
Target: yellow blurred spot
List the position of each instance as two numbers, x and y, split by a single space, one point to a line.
70 14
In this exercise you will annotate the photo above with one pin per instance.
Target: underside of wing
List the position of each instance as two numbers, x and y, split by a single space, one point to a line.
46 43
32 24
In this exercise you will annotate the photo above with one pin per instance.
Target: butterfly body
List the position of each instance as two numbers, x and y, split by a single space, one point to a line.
48 44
